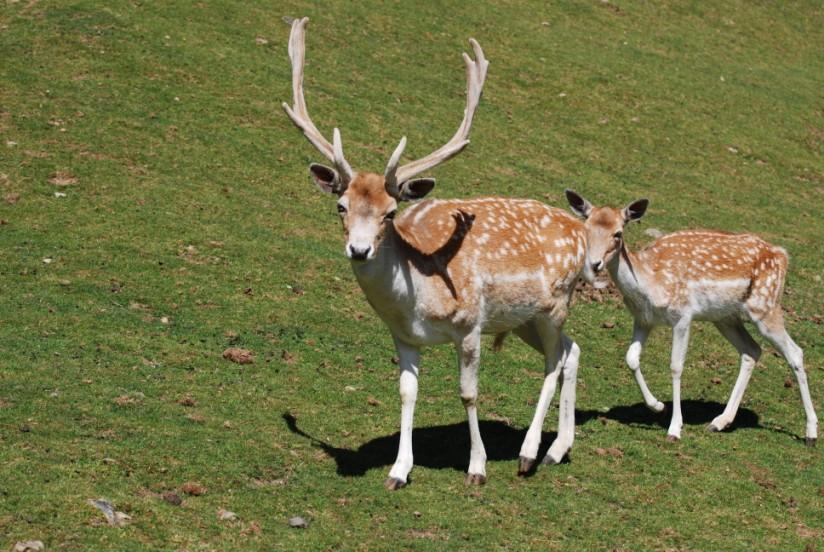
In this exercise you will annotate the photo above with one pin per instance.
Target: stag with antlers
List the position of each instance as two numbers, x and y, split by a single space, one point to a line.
447 271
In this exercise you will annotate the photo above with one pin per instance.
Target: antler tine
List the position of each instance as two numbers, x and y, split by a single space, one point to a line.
475 77
392 167
299 113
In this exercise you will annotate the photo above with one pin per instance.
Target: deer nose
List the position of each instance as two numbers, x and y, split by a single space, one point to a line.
597 266
359 253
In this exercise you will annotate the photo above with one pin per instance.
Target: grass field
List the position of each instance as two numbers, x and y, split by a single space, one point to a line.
156 210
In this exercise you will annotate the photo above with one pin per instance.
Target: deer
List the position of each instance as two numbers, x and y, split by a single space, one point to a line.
720 277
450 271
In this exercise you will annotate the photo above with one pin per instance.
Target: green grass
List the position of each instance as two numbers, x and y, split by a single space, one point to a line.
192 206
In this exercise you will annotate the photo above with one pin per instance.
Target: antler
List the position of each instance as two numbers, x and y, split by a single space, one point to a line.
475 76
299 114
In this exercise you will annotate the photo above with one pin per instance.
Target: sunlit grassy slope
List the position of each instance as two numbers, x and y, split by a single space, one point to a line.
189 225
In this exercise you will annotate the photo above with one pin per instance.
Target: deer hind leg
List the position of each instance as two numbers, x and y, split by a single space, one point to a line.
771 326
469 352
639 337
680 340
408 361
737 334
570 353
546 342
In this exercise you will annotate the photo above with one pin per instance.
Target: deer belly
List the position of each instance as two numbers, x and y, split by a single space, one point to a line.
717 299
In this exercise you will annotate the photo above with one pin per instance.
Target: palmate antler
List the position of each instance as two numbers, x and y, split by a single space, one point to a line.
395 175
475 76
299 114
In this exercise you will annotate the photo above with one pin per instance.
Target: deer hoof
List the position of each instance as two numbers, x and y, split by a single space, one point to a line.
673 439
550 461
712 429
810 442
475 479
393 483
525 465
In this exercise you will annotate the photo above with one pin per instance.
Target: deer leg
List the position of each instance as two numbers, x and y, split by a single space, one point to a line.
639 337
737 334
566 408
772 327
549 343
408 361
680 340
469 352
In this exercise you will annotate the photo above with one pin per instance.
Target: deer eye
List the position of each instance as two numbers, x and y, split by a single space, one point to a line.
390 215
341 209
618 235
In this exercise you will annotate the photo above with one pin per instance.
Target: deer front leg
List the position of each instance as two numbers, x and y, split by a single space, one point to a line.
680 340
469 351
552 369
408 361
566 407
639 337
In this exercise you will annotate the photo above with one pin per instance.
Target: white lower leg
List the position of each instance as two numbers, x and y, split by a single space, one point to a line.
469 360
566 408
529 448
795 357
639 336
408 361
680 339
725 418
634 361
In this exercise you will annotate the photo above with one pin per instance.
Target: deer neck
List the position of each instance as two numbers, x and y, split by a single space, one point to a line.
383 278
624 269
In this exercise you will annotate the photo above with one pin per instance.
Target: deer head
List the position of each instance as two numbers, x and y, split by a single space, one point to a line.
367 201
604 227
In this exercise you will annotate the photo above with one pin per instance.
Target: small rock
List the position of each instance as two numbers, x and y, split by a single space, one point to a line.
24 546
298 522
373 401
164 319
187 400
715 381
239 356
260 41
226 515
417 514
788 383
349 389
611 451
115 519
172 498
653 233
59 194
193 489
25 428
608 325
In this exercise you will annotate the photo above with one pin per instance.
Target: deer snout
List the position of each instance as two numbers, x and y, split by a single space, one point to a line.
357 253
597 266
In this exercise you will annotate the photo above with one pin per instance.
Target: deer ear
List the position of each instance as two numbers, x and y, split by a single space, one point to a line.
326 178
579 205
635 210
416 188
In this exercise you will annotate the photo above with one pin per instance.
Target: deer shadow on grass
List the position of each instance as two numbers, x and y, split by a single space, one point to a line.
438 447
447 446
694 412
